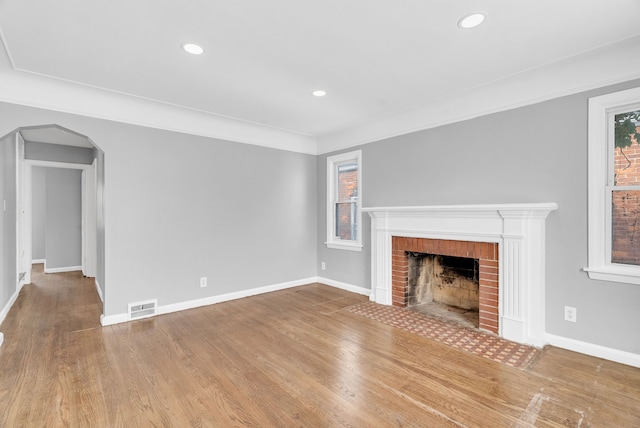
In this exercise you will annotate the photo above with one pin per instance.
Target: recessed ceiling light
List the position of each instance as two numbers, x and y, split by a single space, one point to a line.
472 20
192 48
319 93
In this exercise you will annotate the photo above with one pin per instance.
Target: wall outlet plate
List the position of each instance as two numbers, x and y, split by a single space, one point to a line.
203 282
570 314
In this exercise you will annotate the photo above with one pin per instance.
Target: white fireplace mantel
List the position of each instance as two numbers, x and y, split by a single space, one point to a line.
519 229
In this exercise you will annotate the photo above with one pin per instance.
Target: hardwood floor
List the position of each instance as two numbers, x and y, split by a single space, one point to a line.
285 359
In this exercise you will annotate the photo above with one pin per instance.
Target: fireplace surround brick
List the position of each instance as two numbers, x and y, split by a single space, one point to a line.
485 252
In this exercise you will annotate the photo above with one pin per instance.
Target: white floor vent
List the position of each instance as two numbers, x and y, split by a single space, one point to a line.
142 309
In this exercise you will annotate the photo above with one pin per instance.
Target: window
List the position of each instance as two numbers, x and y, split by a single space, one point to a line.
344 195
614 187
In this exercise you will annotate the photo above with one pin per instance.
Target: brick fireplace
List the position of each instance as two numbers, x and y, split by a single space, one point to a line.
507 239
485 252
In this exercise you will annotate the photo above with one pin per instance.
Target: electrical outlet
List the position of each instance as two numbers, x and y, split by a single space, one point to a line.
203 281
570 314
324 266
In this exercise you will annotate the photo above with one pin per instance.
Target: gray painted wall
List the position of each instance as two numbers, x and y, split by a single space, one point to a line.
531 154
39 212
8 273
58 153
180 207
63 229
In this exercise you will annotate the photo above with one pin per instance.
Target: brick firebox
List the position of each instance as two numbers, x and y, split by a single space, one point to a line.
485 252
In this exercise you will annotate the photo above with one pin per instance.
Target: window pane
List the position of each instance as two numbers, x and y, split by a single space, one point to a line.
346 227
347 181
625 228
626 157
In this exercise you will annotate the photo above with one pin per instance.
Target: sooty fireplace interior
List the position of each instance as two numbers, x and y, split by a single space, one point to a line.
444 286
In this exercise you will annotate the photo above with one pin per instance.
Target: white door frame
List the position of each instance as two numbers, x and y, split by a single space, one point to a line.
89 221
23 232
89 205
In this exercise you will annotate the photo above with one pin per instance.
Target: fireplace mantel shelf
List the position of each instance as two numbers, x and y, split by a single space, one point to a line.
465 210
519 231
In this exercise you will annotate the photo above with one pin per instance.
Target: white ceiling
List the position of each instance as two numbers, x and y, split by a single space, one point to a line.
384 64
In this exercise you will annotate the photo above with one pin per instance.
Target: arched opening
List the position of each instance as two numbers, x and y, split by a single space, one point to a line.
72 167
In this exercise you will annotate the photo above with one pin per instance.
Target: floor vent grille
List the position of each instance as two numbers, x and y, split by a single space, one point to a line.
142 309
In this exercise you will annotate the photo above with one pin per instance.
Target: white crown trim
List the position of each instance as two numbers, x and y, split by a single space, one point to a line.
594 69
34 90
606 65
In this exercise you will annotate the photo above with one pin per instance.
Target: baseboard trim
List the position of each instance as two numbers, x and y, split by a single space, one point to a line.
7 307
106 320
38 261
99 290
1 339
192 304
611 354
62 269
344 286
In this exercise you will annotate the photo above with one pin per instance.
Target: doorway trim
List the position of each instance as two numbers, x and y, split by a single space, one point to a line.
89 205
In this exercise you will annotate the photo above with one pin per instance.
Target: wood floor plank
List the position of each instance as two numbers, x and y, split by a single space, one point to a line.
290 358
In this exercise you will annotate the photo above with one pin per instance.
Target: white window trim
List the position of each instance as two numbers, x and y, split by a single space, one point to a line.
332 241
599 249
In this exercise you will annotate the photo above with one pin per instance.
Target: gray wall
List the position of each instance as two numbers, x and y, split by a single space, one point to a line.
180 207
58 153
531 154
8 273
63 229
39 212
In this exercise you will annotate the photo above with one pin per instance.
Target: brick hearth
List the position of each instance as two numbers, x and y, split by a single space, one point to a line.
485 252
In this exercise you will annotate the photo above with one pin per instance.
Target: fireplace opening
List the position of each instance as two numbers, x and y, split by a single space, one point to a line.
444 286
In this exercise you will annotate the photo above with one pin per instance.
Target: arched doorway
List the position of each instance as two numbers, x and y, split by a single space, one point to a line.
53 146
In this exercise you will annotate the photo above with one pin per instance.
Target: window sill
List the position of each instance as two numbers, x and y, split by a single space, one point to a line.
623 274
350 246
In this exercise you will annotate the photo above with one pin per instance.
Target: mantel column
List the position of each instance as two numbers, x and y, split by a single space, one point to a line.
522 289
381 260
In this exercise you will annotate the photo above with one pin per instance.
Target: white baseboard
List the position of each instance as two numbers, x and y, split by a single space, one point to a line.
559 341
99 290
7 307
191 304
62 269
611 354
38 261
1 338
106 320
344 286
